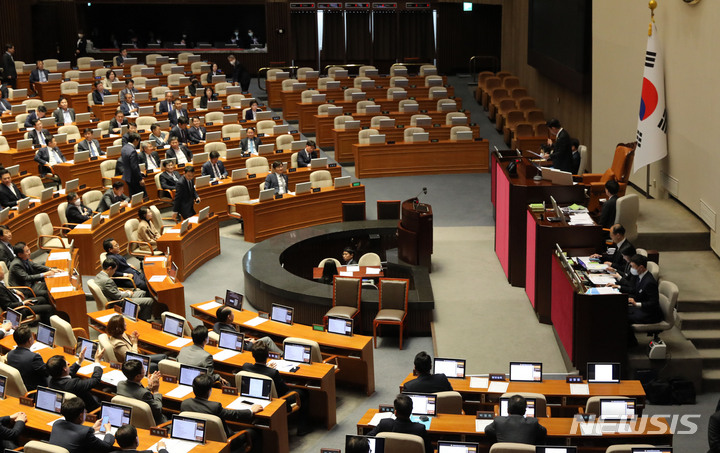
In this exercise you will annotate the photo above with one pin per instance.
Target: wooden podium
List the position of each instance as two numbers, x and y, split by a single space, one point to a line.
415 233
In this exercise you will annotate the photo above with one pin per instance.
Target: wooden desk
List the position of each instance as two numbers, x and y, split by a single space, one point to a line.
22 225
48 91
355 354
166 292
70 302
199 244
87 172
266 219
423 158
318 378
362 273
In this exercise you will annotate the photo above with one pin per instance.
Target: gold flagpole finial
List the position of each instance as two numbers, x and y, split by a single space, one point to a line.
652 4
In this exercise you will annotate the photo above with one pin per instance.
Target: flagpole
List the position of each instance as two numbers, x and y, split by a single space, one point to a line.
652 4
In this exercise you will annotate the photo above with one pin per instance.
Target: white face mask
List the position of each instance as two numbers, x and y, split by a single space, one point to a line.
77 202
633 271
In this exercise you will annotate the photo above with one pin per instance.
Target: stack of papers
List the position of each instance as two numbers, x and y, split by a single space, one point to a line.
157 278
255 321
373 271
180 391
581 219
59 256
352 268
225 354
283 365
381 416
481 424
113 377
590 265
59 274
601 279
105 318
579 389
498 387
62 289
177 445
38 346
345 274
87 369
155 259
602 290
209 306
83 226
180 342
477 382
172 230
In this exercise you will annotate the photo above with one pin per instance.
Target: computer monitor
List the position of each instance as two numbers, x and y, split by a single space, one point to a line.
173 326
445 446
652 450
114 209
295 352
377 444
90 347
72 185
423 403
529 409
255 387
303 187
233 299
172 271
3 384
46 335
616 409
137 199
142 358
282 313
187 428
117 414
451 368
188 373
49 400
340 326
130 309
608 372
554 449
14 317
239 173
525 372
231 340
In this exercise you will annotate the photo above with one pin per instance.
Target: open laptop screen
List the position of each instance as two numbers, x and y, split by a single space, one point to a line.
130 309
340 326
652 450
49 400
525 372
144 359
13 317
377 444
231 340
186 428
294 352
423 403
456 447
90 347
616 409
529 409
451 368
233 299
173 325
255 387
281 313
46 334
3 384
603 372
117 414
188 373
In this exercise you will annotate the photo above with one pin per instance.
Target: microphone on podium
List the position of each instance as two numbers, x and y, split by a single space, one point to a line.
420 206
423 191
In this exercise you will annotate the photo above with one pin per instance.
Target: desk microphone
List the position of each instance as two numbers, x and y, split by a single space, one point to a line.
423 191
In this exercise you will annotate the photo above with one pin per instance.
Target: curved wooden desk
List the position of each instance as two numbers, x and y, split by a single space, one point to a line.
22 224
166 291
64 291
199 244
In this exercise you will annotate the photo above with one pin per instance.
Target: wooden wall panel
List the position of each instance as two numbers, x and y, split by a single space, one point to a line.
15 28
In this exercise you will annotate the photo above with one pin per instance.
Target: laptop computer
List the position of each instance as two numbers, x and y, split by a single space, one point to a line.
172 271
60 138
130 309
23 204
529 409
49 121
342 181
282 313
46 194
185 431
525 372
598 372
142 358
256 390
54 77
49 400
3 385
233 299
230 118
233 341
319 162
72 185
446 446
116 414
96 219
4 214
464 135
377 444
298 145
13 170
81 156
202 181
424 404
137 199
214 105
259 116
303 187
114 151
267 195
265 149
115 209
200 158
9 127
215 136
451 368
240 173
340 326
188 373
296 352
173 325
13 317
420 136
233 153
203 214
377 139
24 144
45 335
617 409
554 449
90 347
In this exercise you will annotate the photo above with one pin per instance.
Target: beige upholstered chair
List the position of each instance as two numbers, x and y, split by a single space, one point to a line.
69 87
627 209
233 131
405 102
265 127
36 446
424 68
158 92
4 146
72 131
169 367
272 73
450 115
323 109
236 194
592 406
395 67
196 102
668 305
101 302
220 147
196 66
32 104
321 178
398 81
393 305
214 117
512 447
455 129
339 122
409 131
287 84
541 407
325 260
235 100
433 80
72 74
142 416
315 354
92 198
174 80
293 160
48 235
306 96
136 247
183 57
256 165
107 171
284 141
83 63
347 292
323 81
347 94
333 69
584 160
363 69
364 135
442 102
136 69
419 116
360 106
65 334
15 386
370 259
449 403
166 68
140 82
406 443
144 122
32 186
359 80
626 448
104 341
396 91
187 327
302 72
375 120
437 92
51 64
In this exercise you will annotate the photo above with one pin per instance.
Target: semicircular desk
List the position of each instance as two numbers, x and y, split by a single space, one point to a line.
279 270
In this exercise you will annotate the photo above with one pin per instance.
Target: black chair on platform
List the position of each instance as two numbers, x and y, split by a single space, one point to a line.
353 210
388 209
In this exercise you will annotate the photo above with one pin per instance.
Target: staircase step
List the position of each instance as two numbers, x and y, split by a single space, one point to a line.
711 380
699 320
710 358
687 306
703 339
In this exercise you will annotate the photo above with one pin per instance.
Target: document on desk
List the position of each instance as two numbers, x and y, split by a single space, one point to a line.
602 290
381 416
591 266
59 274
498 387
225 354
83 226
212 305
477 382
373 270
345 274
157 278
155 259
481 424
179 392
59 256
38 346
255 321
579 389
581 219
106 318
180 342
591 429
601 279
352 268
88 369
283 365
193 219
52 422
172 230
62 289
177 445
113 377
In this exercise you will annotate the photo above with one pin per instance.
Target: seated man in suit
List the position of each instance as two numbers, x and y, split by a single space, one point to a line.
133 388
644 300
112 196
99 93
169 177
37 134
196 132
25 272
6 248
48 156
4 104
515 427
64 114
166 106
158 137
196 355
250 143
306 155
127 438
180 152
111 291
39 113
277 180
112 248
202 387
118 122
177 112
348 256
30 364
129 88
149 156
9 192
76 212
426 382
615 260
64 377
214 167
225 317
402 424
39 74
128 106
70 433
607 213
90 144
251 114
260 354
180 130
10 436
15 299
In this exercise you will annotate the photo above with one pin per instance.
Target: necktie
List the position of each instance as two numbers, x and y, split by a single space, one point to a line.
251 143
93 153
217 171
58 156
41 138
170 107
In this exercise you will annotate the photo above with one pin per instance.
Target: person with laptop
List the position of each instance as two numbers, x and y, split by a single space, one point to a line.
112 292
109 78
277 179
425 382
196 355
64 114
179 151
196 132
132 175
76 212
117 122
64 377
214 167
128 106
251 113
90 144
250 143
166 106
114 195
25 272
9 192
129 89
127 438
157 136
402 423
133 388
39 74
177 112
99 93
30 364
225 317
622 245
169 177
185 195
122 342
38 114
47 157
208 95
149 156
559 152
644 300
515 427
146 228
306 155
202 388
10 435
70 433
14 298
38 134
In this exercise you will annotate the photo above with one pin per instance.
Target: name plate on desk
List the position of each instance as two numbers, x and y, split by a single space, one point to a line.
292 170
156 325
170 379
159 432
69 350
386 408
574 379
485 415
25 401
230 390
497 376
92 418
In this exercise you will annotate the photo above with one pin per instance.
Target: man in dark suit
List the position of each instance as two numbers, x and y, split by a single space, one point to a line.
260 354
8 64
99 93
15 299
39 74
202 387
76 212
4 104
179 152
515 427
250 143
576 157
225 317
133 388
121 58
196 132
39 113
277 179
306 155
402 423
81 45
128 106
166 106
127 438
132 129
250 115
149 156
561 152
644 300
214 167
239 74
112 196
26 272
185 195
129 88
118 122
30 364
48 156
622 245
196 355
157 136
38 135
131 165
177 112
169 178
90 144
426 382
180 130
10 436
6 248
64 114
70 434
9 193
112 248
608 211
64 377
